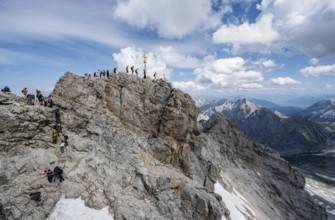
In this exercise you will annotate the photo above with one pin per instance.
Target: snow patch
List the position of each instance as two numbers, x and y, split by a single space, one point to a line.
202 117
236 203
280 115
75 209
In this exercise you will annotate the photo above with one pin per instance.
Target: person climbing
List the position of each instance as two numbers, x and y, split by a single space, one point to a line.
39 96
107 73
5 89
114 71
57 116
36 196
136 71
49 175
132 70
62 146
48 102
30 99
126 69
65 140
144 74
25 91
58 172
54 137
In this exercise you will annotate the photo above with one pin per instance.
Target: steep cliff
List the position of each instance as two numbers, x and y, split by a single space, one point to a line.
135 147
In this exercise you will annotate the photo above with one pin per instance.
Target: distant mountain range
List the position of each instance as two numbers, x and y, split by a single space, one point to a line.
321 112
286 110
304 102
287 135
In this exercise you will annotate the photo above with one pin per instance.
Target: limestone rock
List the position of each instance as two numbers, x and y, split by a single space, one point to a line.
134 145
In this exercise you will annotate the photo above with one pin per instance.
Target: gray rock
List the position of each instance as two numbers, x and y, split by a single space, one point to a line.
135 147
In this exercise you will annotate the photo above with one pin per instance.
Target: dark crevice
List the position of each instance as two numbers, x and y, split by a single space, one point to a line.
160 118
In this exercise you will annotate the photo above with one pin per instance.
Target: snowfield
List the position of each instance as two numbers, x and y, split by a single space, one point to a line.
323 194
236 203
75 209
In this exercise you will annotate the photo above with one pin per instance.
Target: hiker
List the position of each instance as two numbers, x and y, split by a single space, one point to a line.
58 174
132 70
36 196
126 69
107 73
114 71
49 175
39 96
62 146
57 116
155 75
54 137
5 89
104 74
144 74
65 140
48 102
95 74
100 73
136 71
30 99
25 91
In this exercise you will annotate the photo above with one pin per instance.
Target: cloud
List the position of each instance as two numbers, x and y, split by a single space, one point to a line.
313 61
189 86
134 57
305 25
231 73
301 25
47 21
172 58
261 32
319 71
328 87
282 81
171 19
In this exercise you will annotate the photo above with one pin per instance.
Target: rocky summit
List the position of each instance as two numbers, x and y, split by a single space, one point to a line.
135 147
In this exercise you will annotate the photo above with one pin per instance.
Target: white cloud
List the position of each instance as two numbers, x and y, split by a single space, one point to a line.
319 71
281 81
189 86
328 87
305 25
169 56
302 25
134 57
47 21
231 73
171 19
313 61
261 32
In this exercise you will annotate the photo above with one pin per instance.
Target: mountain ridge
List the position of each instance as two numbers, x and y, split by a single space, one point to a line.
136 148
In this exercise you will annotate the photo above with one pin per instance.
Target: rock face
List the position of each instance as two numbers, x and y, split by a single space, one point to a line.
134 146
287 135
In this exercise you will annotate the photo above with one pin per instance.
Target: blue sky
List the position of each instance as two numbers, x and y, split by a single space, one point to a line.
221 48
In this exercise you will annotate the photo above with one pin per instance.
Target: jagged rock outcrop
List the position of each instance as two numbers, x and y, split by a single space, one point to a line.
135 147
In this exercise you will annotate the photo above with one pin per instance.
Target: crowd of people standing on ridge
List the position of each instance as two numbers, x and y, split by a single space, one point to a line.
106 73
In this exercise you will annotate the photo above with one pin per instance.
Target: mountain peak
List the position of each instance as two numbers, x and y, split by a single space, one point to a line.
134 147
